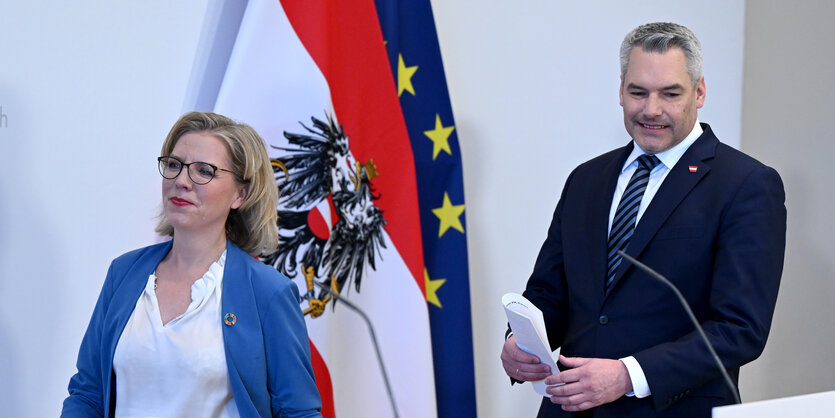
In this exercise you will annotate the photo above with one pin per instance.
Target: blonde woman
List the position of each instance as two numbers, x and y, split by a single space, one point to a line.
196 326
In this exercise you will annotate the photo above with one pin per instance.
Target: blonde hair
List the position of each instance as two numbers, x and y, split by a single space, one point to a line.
254 225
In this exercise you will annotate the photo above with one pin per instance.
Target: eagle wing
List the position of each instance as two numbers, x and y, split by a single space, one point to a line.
305 176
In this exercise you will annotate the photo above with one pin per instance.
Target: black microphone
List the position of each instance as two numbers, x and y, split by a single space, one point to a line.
356 309
689 311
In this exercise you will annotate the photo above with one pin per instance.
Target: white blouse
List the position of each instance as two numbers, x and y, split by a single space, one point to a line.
177 369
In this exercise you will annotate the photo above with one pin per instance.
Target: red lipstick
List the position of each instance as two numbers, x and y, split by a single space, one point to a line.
179 202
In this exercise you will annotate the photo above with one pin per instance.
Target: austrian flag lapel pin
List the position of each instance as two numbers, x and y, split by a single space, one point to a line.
693 168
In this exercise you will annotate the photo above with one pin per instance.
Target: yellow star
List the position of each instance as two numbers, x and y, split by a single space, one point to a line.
449 214
440 137
432 289
404 76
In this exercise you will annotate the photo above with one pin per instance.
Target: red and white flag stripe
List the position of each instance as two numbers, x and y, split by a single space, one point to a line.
294 60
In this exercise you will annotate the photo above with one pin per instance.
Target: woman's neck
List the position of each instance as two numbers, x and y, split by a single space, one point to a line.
191 249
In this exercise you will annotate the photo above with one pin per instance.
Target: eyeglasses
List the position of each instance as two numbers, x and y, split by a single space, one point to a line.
199 172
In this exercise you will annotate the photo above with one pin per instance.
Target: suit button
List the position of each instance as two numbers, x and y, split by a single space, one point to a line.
604 319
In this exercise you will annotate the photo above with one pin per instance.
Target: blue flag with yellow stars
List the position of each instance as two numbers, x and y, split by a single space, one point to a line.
415 57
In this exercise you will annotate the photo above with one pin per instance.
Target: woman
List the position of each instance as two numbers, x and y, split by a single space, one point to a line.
196 326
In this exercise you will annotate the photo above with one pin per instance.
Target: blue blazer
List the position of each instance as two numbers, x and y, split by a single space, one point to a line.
267 349
718 232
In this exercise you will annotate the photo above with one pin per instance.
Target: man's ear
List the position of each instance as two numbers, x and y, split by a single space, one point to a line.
701 93
620 92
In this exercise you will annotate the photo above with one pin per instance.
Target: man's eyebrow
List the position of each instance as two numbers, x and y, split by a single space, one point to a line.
676 86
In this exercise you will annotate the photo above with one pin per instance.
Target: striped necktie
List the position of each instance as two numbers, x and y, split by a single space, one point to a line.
623 225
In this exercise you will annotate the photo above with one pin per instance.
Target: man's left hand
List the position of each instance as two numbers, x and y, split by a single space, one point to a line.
590 382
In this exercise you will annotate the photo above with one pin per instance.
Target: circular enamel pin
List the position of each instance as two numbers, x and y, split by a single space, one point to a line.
229 319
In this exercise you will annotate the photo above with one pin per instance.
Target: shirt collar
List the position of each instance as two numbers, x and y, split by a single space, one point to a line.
671 156
211 280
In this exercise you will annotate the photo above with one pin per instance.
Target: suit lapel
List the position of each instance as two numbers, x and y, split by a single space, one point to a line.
678 184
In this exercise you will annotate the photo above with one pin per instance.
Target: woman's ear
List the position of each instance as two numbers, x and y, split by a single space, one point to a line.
241 198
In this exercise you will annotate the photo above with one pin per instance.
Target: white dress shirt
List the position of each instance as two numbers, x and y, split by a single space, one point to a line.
177 369
669 158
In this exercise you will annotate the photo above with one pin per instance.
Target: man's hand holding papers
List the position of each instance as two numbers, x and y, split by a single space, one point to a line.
527 354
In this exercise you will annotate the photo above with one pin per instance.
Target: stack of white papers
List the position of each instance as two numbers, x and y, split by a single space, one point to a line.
528 327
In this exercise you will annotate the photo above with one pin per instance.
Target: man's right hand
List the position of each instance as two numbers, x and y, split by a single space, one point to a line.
520 365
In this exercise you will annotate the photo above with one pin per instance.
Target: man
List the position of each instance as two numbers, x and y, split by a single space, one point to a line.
706 216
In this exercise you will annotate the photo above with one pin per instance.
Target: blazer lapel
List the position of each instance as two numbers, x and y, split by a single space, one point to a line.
241 324
678 184
125 296
121 306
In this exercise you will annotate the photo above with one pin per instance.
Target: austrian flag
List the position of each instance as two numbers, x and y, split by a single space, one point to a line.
352 101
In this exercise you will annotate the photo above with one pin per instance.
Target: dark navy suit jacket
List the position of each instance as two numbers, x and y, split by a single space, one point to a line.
717 232
267 348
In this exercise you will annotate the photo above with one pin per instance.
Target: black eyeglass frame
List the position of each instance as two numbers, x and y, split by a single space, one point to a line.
215 169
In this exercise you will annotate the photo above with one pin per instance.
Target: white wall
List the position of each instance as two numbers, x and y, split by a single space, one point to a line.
89 90
787 120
